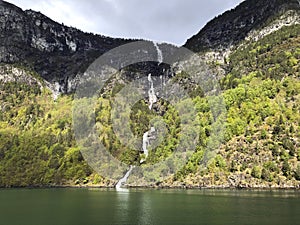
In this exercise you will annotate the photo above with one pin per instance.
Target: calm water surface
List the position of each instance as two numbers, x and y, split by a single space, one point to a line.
148 207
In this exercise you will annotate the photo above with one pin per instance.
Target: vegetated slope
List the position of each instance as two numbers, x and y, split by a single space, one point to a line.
261 140
37 146
261 91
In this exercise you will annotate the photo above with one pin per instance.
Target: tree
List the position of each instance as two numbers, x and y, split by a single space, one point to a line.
256 172
266 175
286 169
297 172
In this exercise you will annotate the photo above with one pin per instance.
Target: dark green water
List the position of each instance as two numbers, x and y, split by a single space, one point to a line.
148 207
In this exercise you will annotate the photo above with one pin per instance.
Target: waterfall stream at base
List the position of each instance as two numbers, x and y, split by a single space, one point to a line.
146 136
123 180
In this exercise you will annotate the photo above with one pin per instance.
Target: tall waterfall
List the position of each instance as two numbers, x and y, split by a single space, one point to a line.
152 100
151 92
146 136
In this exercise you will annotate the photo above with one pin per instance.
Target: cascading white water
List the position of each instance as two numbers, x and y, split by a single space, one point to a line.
160 57
123 180
152 100
162 79
151 92
146 143
146 138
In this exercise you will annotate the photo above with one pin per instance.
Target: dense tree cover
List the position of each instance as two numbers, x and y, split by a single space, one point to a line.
274 56
261 91
37 144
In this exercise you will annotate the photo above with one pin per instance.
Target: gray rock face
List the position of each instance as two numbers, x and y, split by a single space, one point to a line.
60 54
234 26
57 52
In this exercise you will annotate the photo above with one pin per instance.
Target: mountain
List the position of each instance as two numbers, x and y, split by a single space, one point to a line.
57 52
249 21
234 26
255 50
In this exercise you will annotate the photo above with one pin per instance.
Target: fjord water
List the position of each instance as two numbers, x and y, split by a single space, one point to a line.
147 207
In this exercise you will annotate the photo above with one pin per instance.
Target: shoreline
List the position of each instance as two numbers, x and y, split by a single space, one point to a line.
262 188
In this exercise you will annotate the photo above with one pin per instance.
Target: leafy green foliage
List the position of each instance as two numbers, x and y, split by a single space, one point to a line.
37 144
262 98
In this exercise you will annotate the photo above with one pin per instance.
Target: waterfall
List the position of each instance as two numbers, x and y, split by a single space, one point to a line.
152 100
144 146
151 92
162 81
146 135
146 143
160 57
123 180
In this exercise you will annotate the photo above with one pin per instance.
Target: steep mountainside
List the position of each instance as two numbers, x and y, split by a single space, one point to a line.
56 52
256 49
261 91
235 25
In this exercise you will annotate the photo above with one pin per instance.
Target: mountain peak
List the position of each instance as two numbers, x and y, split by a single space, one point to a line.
57 52
234 25
8 5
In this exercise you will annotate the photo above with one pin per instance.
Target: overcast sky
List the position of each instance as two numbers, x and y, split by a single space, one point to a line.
172 21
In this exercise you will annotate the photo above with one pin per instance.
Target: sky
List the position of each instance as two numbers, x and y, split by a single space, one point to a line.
172 21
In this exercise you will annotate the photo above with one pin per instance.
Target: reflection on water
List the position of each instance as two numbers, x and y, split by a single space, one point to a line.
144 212
138 207
123 205
147 207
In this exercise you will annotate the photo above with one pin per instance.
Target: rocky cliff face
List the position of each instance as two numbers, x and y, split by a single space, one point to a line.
57 52
60 53
236 25
247 23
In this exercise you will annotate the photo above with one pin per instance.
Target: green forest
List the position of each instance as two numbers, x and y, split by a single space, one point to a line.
261 140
